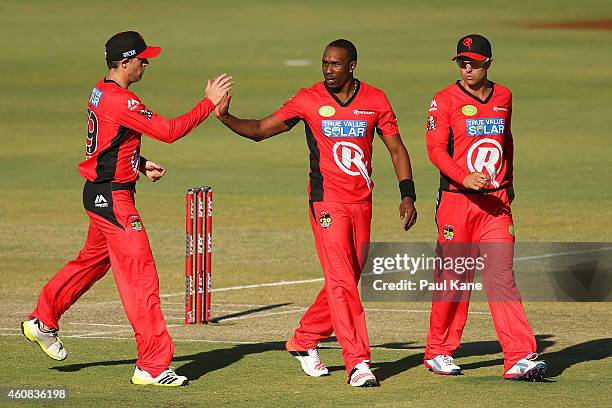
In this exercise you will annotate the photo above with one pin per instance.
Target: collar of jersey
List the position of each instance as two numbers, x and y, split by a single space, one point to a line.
348 102
485 101
110 81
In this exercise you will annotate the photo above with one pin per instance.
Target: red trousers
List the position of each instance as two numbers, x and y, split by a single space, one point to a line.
484 219
342 236
117 239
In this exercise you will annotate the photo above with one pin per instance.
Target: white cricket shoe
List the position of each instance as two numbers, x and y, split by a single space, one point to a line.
309 359
527 369
361 376
48 340
443 364
167 378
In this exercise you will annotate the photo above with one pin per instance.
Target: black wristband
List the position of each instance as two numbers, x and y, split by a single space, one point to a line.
406 187
142 162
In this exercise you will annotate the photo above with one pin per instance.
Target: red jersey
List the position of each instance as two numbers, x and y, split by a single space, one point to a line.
466 134
117 118
339 136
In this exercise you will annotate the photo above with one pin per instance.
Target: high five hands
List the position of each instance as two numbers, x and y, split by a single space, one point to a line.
218 88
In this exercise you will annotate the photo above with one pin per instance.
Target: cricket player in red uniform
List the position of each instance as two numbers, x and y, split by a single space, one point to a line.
340 116
469 139
117 118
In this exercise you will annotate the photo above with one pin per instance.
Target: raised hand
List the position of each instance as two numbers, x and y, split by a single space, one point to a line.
223 106
218 88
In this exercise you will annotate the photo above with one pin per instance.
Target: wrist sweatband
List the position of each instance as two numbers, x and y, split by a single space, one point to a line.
406 187
142 163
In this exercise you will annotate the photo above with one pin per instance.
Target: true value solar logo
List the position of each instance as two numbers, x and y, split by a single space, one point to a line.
344 128
485 126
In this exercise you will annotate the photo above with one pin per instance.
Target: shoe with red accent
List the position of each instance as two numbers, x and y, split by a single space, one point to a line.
309 359
527 369
443 364
361 376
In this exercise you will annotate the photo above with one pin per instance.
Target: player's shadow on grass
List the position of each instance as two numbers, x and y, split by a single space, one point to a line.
197 365
203 363
389 369
248 312
559 361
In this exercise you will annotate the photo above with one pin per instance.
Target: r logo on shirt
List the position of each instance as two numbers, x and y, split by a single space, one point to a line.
486 154
349 158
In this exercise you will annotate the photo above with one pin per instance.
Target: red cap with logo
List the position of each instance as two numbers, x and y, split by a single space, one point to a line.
474 47
128 44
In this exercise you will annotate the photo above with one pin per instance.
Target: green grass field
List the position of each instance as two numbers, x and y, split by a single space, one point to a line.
52 55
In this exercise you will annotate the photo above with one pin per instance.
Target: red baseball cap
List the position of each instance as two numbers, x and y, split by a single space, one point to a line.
128 44
473 46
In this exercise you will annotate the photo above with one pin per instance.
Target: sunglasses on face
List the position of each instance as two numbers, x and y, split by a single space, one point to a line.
472 63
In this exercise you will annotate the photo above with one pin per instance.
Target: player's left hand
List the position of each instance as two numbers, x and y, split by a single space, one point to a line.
408 213
153 171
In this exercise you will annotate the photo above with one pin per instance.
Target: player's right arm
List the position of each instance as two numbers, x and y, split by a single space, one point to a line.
256 130
438 133
134 115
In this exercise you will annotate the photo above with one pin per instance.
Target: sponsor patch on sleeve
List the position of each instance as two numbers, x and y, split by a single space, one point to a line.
431 123
96 97
147 113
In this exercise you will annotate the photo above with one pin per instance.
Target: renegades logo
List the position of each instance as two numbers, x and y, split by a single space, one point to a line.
468 42
350 159
486 155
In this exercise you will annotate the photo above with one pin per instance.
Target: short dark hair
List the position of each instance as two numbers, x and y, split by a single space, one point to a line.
113 64
347 45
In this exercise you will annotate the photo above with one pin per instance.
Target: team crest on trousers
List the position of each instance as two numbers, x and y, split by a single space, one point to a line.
448 232
135 223
325 219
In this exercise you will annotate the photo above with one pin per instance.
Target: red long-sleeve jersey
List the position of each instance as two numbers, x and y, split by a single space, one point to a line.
117 119
466 134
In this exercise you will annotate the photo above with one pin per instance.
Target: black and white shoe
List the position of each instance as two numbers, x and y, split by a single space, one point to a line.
168 378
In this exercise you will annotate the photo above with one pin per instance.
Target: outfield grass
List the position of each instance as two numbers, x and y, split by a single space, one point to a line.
53 54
